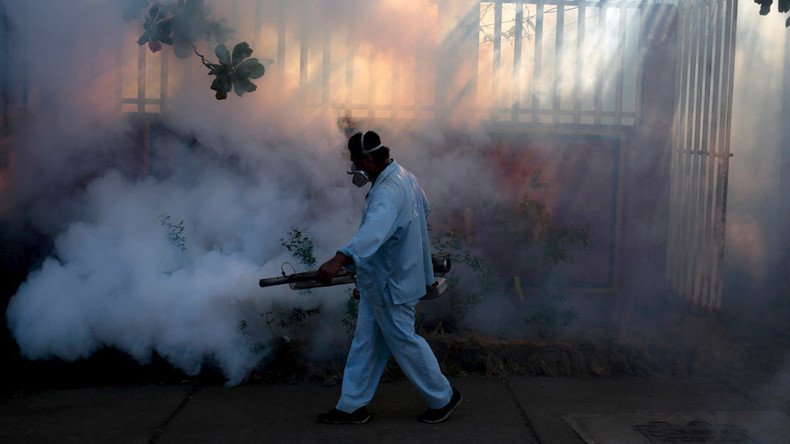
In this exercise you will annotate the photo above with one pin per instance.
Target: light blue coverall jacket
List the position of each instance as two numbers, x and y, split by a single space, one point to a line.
392 257
391 250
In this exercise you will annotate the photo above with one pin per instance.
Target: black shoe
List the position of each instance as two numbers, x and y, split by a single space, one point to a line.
433 416
335 416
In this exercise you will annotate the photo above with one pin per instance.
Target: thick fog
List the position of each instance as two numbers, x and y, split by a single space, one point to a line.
160 250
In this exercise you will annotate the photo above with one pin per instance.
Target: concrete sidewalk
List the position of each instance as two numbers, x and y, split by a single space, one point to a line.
516 409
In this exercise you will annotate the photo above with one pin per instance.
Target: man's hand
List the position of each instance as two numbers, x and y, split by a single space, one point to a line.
332 267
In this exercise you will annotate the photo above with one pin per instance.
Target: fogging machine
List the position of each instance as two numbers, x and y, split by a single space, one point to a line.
309 279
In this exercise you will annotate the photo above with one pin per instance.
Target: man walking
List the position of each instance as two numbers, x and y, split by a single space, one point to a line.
392 258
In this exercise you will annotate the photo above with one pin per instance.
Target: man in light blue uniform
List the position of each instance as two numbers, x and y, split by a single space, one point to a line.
391 255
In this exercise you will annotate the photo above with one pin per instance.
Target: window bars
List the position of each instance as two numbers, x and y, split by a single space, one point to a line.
701 150
561 61
544 61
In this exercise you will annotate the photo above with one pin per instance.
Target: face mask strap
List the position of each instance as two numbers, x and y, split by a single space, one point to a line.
362 143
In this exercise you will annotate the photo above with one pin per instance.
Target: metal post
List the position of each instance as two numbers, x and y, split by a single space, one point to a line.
536 74
517 78
281 17
495 90
784 187
558 39
5 24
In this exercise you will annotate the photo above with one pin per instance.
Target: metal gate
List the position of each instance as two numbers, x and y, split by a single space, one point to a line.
701 149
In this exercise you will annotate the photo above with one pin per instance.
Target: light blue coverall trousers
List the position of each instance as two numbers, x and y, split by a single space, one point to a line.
392 257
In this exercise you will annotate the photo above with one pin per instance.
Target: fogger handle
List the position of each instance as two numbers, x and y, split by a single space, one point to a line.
289 279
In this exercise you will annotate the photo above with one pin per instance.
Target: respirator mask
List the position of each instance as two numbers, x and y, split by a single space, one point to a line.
359 177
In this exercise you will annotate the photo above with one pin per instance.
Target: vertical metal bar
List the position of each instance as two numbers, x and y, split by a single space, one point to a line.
141 78
163 80
602 11
6 86
281 18
495 87
371 105
731 32
676 171
688 149
257 21
724 160
683 147
694 150
517 77
699 171
579 65
395 90
536 70
349 79
303 47
784 190
119 53
234 14
620 80
710 181
326 60
474 17
702 226
558 48
640 64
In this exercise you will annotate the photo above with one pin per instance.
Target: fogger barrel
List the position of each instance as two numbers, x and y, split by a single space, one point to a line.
309 279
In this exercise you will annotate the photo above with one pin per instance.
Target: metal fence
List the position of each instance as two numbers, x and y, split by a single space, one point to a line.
701 149
539 61
562 61
143 78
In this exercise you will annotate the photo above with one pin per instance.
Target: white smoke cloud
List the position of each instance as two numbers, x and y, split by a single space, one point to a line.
238 173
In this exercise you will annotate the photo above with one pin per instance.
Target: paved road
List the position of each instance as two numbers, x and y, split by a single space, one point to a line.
516 409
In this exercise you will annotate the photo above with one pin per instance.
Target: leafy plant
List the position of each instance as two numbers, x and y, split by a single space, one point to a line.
540 242
470 279
181 24
783 6
300 246
234 71
289 320
157 29
175 231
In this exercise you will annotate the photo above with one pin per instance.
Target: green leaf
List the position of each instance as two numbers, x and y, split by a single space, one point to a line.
223 54
216 70
242 85
251 68
157 29
765 6
240 52
222 83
